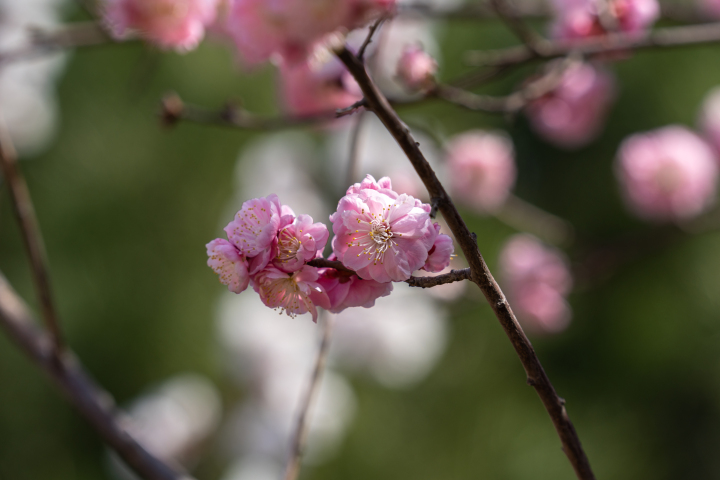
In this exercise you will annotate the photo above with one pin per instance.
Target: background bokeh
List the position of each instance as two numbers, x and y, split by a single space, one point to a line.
126 207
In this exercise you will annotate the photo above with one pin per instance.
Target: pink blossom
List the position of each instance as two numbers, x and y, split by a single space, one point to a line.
230 265
255 227
441 252
178 24
482 169
581 18
536 280
416 69
349 290
667 174
380 234
300 242
294 293
290 28
710 118
573 114
308 88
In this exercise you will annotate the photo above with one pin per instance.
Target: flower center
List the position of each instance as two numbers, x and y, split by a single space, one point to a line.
288 246
377 240
286 295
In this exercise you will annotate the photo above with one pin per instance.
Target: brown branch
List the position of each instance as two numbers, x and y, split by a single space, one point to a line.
302 424
422 282
175 110
368 40
480 273
91 401
671 37
24 211
510 15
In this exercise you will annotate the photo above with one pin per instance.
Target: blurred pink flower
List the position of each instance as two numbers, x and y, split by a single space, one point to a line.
481 167
380 234
710 7
295 293
178 24
536 280
230 265
441 252
349 290
308 88
290 28
667 174
416 69
581 18
255 227
709 120
573 114
300 242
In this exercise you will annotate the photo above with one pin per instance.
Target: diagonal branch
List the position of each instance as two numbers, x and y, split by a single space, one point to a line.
91 401
480 273
32 238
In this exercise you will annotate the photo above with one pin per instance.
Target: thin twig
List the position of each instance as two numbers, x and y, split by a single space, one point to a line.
526 217
510 16
174 110
481 275
424 282
302 424
80 34
670 37
91 401
368 39
32 237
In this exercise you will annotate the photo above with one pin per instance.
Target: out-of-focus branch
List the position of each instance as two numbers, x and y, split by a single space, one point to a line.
368 40
302 424
511 103
526 217
480 273
671 37
510 15
81 34
233 116
32 238
91 401
355 152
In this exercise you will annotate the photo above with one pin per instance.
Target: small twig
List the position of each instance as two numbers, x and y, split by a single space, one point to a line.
32 238
481 274
510 16
302 424
355 154
445 278
434 205
91 401
174 110
600 45
81 34
368 39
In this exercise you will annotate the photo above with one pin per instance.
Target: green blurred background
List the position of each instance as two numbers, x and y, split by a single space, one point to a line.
126 207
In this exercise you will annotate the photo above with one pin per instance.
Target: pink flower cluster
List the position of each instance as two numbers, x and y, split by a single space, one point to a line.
537 279
573 114
577 19
668 174
380 235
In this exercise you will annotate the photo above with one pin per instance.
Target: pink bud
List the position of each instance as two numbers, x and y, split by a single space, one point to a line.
440 254
178 24
482 171
573 114
536 279
667 174
582 18
416 69
710 7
